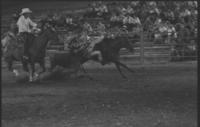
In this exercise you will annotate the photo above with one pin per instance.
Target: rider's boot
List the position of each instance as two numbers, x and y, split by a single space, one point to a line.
25 55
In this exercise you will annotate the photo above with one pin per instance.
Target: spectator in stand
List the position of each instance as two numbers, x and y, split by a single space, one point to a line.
130 10
123 11
171 16
101 28
148 26
69 20
136 20
130 22
113 20
158 21
160 32
153 9
104 8
87 28
134 3
172 32
120 19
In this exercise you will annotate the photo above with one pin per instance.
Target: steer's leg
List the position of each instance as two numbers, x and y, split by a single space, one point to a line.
123 65
87 75
119 69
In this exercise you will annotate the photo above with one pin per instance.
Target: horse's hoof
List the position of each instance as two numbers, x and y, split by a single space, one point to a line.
33 81
16 72
36 75
30 81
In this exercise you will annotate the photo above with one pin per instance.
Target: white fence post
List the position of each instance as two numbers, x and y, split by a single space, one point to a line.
141 46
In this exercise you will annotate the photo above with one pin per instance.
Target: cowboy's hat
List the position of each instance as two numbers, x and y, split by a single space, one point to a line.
25 10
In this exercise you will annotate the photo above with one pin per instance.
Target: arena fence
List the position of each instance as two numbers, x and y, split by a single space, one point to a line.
145 51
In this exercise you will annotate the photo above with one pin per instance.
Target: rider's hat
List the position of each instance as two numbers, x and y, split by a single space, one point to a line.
25 11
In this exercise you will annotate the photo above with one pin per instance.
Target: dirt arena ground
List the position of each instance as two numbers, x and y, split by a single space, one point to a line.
163 95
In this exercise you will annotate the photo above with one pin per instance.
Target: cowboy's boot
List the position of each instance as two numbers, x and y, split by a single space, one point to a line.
25 56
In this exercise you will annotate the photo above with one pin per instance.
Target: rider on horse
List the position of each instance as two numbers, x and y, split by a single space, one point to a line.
83 44
26 26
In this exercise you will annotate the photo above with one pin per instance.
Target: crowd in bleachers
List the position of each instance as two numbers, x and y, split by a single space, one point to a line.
159 19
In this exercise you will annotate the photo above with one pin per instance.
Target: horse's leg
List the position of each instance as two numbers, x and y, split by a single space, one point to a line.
9 64
10 67
123 65
25 66
31 72
119 69
83 69
76 70
87 75
52 64
42 64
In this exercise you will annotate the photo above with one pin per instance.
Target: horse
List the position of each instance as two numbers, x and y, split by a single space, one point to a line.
109 48
37 47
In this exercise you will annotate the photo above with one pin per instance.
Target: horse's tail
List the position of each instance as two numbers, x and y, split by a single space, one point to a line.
4 40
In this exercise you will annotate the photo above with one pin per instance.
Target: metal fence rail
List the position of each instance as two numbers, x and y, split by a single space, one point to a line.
145 51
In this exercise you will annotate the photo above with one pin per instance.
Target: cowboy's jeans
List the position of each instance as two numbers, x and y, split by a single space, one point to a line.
23 39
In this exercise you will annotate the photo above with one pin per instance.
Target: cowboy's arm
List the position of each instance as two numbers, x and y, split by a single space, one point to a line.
34 26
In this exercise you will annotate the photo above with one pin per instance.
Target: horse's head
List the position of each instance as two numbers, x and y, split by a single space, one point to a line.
50 33
8 41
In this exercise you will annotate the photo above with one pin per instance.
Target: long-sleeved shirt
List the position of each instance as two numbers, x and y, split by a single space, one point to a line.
87 27
25 24
131 20
101 28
